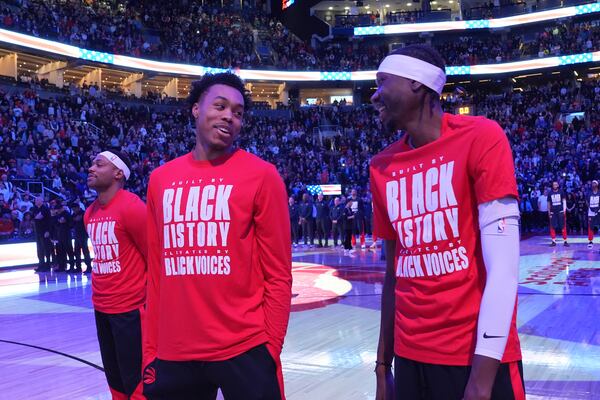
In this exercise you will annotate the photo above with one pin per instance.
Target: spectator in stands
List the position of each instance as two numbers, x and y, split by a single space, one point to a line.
7 227
26 228
6 188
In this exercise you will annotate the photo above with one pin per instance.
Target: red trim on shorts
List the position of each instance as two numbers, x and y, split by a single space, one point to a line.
116 395
516 381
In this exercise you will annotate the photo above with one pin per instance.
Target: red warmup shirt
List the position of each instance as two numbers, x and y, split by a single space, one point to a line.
426 199
219 258
117 231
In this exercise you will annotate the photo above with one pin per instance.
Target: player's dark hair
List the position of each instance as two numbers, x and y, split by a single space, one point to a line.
430 55
422 52
202 85
125 158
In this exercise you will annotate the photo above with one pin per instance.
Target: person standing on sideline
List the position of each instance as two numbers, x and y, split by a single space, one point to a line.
337 223
321 220
348 217
63 222
294 211
219 284
116 225
306 220
81 239
457 237
42 222
593 204
543 207
557 213
359 214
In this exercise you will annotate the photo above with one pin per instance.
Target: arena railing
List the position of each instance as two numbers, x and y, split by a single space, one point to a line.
515 20
60 49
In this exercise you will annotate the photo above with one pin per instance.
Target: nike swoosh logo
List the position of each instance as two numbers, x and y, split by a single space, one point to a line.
486 336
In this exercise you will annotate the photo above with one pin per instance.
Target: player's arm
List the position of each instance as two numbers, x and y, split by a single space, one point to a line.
150 336
564 204
382 228
499 227
136 226
275 257
385 346
491 167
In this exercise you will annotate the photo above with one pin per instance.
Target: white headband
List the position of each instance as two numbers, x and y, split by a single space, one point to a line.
415 69
117 162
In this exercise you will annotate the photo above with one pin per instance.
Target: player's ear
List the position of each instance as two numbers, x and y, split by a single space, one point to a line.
196 110
415 86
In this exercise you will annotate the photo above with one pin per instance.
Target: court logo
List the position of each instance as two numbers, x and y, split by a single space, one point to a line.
316 286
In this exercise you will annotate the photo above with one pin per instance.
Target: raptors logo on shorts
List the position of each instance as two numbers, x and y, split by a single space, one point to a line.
149 375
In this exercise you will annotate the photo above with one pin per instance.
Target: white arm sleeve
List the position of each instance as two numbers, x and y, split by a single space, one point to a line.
499 226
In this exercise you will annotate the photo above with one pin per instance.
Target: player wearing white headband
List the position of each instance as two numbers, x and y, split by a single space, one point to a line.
116 225
445 201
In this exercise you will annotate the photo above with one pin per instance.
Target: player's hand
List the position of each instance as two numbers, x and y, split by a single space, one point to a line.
482 377
385 384
477 390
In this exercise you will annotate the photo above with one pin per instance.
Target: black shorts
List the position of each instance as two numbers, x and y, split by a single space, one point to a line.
557 220
250 376
421 381
120 339
595 220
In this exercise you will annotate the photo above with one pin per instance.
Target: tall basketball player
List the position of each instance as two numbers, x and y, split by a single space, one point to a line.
116 225
557 213
593 203
219 261
445 201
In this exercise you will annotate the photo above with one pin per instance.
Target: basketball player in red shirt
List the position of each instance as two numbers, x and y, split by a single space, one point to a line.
445 201
116 225
219 262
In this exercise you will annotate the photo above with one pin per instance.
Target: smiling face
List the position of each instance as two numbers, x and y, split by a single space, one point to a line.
394 98
218 114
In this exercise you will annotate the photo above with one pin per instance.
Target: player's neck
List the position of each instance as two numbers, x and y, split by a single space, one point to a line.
425 129
105 196
203 152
